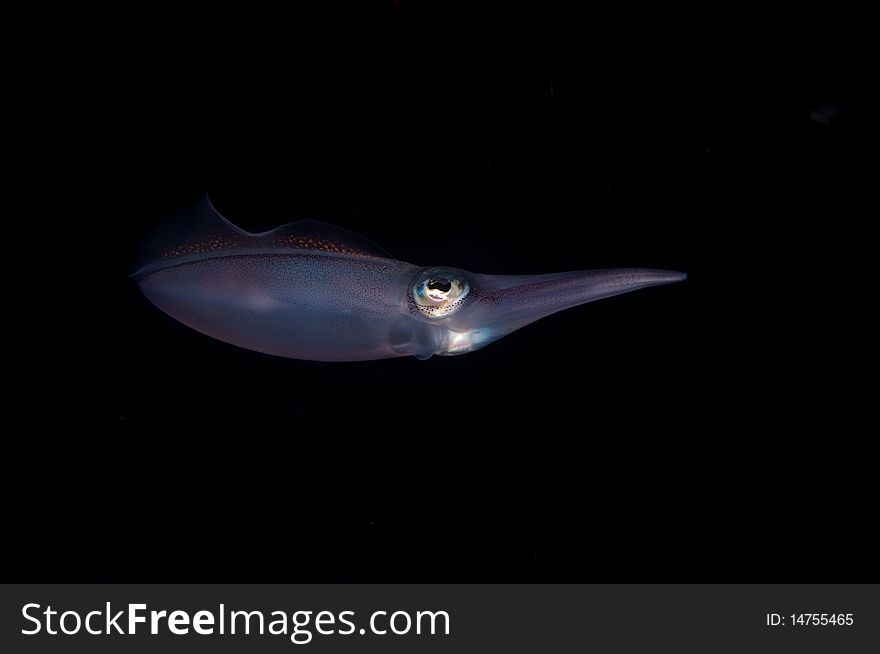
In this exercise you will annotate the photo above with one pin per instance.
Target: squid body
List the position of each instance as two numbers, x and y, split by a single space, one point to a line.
309 290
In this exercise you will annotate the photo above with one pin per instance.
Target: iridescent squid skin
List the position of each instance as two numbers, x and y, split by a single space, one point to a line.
309 290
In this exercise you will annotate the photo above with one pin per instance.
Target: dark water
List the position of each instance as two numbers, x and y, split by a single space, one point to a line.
708 431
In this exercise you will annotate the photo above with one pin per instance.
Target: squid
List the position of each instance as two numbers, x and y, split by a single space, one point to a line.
309 290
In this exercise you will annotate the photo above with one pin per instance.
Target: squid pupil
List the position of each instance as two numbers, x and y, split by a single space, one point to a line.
442 285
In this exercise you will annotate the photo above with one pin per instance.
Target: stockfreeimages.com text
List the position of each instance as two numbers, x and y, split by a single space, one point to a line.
300 626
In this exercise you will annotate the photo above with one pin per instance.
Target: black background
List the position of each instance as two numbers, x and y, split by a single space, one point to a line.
707 431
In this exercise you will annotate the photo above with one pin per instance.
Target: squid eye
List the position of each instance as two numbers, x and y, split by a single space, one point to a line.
438 292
